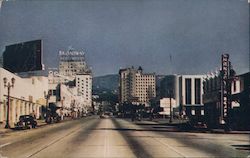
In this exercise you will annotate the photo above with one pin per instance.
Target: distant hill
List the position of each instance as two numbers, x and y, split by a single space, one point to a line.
107 83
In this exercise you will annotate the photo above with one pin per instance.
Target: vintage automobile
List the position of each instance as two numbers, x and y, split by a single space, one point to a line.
26 122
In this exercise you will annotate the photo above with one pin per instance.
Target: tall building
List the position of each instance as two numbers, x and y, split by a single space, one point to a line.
84 88
73 82
72 63
137 87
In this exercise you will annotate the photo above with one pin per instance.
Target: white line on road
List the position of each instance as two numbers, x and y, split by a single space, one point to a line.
106 140
3 145
55 141
170 147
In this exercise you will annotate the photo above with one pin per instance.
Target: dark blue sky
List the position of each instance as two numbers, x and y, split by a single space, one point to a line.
121 33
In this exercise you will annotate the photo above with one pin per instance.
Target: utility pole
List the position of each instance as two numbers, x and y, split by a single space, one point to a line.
171 112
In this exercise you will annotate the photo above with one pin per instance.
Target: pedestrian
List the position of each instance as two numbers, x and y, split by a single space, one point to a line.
33 114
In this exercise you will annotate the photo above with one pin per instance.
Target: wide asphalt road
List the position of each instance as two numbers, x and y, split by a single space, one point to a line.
95 137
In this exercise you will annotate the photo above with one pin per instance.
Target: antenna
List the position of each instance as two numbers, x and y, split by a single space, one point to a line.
170 61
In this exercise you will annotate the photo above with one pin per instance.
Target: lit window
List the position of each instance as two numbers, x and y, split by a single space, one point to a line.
193 112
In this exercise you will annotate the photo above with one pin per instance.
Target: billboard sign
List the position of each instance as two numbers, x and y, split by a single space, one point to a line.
23 57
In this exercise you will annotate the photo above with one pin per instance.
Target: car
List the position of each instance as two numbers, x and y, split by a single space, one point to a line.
103 116
26 122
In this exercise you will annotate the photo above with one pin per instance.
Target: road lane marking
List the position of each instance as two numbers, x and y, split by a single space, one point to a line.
55 141
170 147
108 145
163 143
3 145
106 139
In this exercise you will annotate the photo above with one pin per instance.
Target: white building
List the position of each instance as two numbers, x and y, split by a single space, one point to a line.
72 63
84 88
190 89
137 87
26 97
73 81
166 105
185 89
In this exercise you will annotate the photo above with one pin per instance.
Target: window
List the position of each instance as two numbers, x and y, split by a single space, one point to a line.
193 112
188 90
197 91
234 84
202 112
54 92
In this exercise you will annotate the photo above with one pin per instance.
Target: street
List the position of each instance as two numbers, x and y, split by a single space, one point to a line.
113 137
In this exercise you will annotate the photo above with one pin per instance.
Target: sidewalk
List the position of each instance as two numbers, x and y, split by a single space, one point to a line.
222 131
179 125
4 130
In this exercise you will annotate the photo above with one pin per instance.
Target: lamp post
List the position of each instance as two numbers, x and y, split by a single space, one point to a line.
8 85
171 111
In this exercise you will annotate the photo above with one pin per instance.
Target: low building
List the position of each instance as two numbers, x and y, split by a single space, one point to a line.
215 111
26 96
241 100
166 104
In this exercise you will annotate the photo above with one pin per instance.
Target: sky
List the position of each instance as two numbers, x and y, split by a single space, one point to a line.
123 33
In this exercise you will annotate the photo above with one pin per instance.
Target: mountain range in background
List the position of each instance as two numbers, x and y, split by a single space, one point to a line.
106 84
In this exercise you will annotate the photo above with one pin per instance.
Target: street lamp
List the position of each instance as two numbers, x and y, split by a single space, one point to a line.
8 85
171 110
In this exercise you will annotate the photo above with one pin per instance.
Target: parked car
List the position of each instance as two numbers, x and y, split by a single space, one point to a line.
103 116
26 122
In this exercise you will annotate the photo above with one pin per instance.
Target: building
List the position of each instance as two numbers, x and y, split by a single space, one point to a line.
190 89
27 96
73 81
169 87
166 104
186 90
84 88
241 95
72 63
137 87
236 114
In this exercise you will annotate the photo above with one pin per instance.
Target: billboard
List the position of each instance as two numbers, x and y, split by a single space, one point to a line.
23 57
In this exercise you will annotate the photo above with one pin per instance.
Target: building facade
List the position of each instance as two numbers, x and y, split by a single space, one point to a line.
72 62
169 87
26 96
187 91
236 113
84 88
137 87
191 89
73 81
